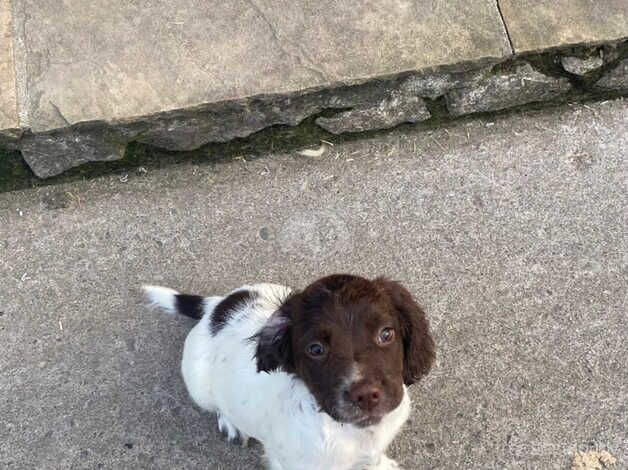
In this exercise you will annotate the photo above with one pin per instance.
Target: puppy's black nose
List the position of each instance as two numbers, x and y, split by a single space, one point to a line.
365 396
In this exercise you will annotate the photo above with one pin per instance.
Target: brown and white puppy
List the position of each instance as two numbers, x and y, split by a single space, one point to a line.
318 376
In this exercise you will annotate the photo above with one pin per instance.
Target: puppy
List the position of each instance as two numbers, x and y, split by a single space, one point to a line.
318 376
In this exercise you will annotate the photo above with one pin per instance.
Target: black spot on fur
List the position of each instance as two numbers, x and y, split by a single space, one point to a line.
190 305
228 306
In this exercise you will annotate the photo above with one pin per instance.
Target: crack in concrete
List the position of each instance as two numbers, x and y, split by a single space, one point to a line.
298 57
505 26
59 113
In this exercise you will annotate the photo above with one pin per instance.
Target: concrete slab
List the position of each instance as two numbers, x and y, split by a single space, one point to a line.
118 59
535 25
8 102
511 232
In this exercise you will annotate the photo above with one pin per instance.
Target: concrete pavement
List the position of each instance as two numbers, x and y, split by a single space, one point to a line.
511 232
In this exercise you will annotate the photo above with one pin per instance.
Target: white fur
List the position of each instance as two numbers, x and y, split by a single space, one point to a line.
160 297
277 409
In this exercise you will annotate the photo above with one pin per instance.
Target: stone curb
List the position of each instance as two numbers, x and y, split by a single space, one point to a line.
458 89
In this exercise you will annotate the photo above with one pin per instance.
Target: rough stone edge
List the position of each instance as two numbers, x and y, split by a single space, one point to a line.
51 152
372 104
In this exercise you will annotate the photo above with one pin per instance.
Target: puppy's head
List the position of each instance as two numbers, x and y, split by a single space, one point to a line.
354 342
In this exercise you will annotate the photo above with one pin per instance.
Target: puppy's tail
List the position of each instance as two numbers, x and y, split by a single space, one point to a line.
171 301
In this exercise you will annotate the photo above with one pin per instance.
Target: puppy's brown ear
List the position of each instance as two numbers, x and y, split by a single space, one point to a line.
418 346
274 350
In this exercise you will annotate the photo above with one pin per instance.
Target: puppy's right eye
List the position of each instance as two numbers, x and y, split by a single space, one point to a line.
315 350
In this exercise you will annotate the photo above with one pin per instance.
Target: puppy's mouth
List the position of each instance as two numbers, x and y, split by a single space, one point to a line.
347 413
369 420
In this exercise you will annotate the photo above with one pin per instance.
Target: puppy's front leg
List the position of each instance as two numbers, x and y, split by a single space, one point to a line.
232 433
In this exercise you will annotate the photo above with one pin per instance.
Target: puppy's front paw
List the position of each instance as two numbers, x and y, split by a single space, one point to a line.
385 463
233 434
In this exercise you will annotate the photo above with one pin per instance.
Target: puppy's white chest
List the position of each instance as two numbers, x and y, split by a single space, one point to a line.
328 444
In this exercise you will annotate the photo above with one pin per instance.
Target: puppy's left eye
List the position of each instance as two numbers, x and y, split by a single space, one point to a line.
385 336
316 350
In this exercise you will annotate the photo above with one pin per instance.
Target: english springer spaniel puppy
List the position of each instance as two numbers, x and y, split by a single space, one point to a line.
318 376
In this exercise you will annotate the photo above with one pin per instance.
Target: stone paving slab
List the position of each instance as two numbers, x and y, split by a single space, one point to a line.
511 232
8 103
535 25
88 61
92 77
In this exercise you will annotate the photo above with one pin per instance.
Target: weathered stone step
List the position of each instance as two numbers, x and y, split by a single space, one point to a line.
80 79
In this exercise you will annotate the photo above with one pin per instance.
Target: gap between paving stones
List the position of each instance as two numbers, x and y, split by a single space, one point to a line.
429 98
